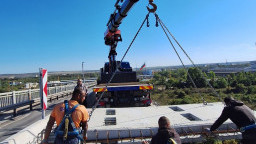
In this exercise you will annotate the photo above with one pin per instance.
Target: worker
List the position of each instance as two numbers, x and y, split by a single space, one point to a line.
81 85
242 116
67 130
166 134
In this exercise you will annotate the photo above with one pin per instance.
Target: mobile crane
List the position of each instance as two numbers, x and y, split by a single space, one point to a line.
123 88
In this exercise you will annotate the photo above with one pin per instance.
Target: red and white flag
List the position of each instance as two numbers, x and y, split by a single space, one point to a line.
142 66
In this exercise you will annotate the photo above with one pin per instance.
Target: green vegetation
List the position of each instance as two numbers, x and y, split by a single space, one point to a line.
5 85
175 87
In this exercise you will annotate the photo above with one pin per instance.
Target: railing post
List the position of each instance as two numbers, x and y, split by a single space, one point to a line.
29 94
14 102
29 99
8 101
55 89
56 92
65 87
49 90
49 93
13 98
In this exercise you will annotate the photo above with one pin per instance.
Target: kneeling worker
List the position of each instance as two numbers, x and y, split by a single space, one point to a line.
242 116
68 116
166 134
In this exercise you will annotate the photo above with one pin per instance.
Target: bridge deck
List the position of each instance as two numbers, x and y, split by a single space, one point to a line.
141 122
142 117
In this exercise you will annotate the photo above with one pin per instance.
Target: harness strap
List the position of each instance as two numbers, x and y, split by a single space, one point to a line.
66 115
243 129
171 141
66 106
75 131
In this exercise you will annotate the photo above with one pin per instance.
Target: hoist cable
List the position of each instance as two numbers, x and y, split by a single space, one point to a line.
204 102
214 91
104 90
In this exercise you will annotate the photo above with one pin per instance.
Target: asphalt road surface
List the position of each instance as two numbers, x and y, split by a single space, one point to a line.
11 125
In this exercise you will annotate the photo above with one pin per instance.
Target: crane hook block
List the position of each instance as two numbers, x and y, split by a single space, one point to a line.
153 5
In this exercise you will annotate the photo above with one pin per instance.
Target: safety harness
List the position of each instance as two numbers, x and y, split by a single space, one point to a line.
66 121
171 141
243 129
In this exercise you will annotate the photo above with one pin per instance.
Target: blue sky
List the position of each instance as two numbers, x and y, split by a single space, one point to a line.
59 34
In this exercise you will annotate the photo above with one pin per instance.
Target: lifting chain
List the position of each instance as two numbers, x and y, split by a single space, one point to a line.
152 10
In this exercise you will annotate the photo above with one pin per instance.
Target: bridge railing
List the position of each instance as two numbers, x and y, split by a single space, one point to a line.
9 99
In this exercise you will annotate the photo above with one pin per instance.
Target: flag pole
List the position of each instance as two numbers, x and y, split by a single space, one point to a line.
145 69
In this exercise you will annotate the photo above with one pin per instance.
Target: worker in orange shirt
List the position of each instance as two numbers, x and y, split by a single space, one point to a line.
68 116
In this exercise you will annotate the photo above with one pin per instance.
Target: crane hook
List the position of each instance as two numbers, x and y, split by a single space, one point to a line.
153 5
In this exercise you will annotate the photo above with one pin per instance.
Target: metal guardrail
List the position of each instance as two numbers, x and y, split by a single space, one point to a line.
11 98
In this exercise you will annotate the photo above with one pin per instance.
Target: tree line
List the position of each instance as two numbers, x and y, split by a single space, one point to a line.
5 85
178 86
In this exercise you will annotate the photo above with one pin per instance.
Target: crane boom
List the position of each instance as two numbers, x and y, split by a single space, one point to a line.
114 22
113 35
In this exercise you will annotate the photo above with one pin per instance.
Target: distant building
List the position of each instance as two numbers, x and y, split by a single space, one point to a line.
11 77
156 70
145 76
13 83
53 83
59 83
31 85
147 72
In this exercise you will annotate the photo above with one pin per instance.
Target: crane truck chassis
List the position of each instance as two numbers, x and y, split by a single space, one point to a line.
124 94
124 90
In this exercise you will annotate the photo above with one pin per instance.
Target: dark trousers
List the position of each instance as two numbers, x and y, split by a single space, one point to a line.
249 137
248 141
